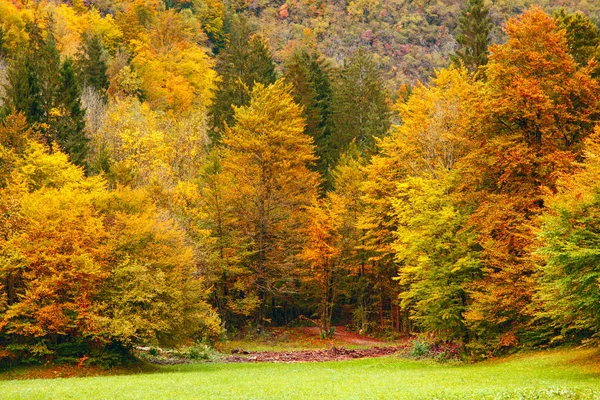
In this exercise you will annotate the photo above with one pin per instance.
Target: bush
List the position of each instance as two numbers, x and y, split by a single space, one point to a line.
420 348
200 351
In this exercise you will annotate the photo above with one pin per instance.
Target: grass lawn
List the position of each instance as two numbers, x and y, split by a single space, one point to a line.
562 374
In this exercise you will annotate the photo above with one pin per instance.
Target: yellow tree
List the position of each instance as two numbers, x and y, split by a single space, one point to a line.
175 72
266 160
322 252
428 142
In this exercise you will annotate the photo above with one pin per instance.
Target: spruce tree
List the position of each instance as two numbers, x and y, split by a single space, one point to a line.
33 80
360 109
91 63
583 37
3 52
474 25
245 61
310 77
48 94
69 125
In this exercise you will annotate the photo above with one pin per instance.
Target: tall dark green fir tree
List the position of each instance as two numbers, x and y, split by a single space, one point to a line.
69 124
92 64
246 60
583 37
33 79
474 25
361 111
48 94
310 76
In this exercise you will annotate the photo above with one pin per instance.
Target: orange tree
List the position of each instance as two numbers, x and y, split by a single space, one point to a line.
528 123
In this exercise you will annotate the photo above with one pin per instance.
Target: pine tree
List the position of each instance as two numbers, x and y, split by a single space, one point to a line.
474 25
48 94
310 77
583 37
360 109
245 61
33 80
92 64
70 123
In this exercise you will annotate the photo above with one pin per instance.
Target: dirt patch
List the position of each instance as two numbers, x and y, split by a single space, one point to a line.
342 335
332 354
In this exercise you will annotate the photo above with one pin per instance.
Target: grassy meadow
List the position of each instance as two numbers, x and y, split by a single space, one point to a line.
558 374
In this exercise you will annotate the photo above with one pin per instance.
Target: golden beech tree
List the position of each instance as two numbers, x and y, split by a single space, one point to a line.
176 73
322 252
85 271
428 143
527 127
266 160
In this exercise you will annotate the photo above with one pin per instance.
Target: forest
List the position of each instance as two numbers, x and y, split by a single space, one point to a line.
180 171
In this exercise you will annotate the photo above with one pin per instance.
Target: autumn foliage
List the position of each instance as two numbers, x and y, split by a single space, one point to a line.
172 172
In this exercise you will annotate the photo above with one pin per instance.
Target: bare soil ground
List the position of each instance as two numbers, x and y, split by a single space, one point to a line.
332 354
341 334
335 352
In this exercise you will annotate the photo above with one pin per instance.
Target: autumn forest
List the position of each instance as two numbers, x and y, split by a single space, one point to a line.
180 171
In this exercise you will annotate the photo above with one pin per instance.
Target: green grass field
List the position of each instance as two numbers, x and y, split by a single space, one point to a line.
564 374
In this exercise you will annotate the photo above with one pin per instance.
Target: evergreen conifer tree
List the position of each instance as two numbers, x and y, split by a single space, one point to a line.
245 61
474 25
310 77
91 63
33 80
583 37
48 94
70 123
360 109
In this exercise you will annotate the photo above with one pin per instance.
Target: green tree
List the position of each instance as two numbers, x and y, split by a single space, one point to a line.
70 123
474 26
245 61
435 254
48 94
92 63
569 292
583 37
361 112
33 80
310 76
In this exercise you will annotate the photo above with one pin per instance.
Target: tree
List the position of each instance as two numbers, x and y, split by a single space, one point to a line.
92 63
310 77
360 109
266 160
583 37
437 258
322 252
48 94
33 80
474 25
70 121
534 111
569 293
87 273
175 72
225 252
245 61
